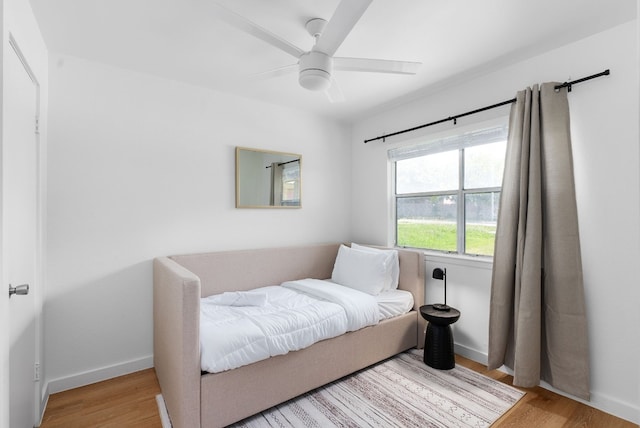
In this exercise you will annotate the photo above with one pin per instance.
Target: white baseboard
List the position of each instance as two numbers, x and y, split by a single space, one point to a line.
608 404
98 375
471 354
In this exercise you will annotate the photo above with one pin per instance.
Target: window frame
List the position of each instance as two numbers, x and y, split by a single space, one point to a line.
497 130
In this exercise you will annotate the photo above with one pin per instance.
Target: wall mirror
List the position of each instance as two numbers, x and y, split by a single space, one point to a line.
267 179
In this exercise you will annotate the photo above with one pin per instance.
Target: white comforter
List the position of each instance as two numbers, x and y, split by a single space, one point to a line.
287 318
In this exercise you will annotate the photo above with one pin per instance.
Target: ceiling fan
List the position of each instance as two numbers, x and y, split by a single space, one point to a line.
315 67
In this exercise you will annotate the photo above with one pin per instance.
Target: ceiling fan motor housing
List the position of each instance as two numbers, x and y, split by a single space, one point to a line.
315 70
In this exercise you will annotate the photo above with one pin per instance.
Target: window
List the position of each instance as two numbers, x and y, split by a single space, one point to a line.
447 192
291 184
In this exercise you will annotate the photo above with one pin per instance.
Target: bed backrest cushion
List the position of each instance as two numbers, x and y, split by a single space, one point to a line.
247 269
242 270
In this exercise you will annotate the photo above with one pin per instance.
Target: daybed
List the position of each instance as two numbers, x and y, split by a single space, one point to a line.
199 399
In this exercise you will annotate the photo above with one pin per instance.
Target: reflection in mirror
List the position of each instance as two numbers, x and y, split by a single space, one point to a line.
267 179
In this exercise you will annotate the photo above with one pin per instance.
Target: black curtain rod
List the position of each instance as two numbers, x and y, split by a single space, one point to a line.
455 118
284 163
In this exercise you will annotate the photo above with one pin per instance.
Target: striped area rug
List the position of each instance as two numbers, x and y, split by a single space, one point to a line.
399 392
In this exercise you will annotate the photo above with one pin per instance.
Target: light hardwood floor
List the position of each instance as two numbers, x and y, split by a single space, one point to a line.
126 401
543 408
129 401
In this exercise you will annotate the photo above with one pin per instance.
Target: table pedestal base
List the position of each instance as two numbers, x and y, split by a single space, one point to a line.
438 350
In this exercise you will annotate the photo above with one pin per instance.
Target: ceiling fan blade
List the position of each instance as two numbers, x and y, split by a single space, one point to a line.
376 65
276 72
243 24
341 24
334 93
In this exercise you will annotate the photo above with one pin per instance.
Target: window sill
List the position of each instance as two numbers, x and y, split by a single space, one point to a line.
480 262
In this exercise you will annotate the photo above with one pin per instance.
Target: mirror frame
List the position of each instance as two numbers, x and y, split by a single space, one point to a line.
270 153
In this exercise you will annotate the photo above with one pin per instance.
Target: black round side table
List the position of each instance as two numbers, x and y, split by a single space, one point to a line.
438 341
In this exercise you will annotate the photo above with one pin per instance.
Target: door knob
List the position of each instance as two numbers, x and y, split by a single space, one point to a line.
20 289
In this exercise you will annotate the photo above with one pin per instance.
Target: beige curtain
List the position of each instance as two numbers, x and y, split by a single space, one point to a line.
537 323
275 197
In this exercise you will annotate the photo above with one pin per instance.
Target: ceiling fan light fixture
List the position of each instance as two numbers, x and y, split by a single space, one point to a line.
315 71
314 80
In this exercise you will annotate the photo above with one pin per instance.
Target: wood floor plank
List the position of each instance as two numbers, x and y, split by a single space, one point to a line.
126 401
129 401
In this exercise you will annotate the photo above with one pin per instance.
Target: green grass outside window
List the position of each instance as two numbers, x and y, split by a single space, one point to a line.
442 237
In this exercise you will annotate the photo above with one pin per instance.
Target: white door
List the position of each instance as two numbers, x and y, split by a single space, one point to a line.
20 234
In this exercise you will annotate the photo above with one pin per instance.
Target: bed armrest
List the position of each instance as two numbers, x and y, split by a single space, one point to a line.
176 341
412 278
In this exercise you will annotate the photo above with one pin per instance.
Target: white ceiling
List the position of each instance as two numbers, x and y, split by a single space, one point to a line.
184 40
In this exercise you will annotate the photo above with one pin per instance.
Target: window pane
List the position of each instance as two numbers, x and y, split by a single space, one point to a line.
481 217
291 184
428 222
430 173
484 165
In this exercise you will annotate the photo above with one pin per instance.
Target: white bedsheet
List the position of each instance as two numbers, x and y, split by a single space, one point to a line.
291 319
392 303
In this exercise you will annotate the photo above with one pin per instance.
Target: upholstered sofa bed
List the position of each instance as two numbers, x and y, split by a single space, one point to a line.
200 399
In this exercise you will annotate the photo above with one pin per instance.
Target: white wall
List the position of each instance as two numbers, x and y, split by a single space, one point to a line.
141 167
604 115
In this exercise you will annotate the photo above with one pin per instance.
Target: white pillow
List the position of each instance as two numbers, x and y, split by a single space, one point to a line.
361 270
393 264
